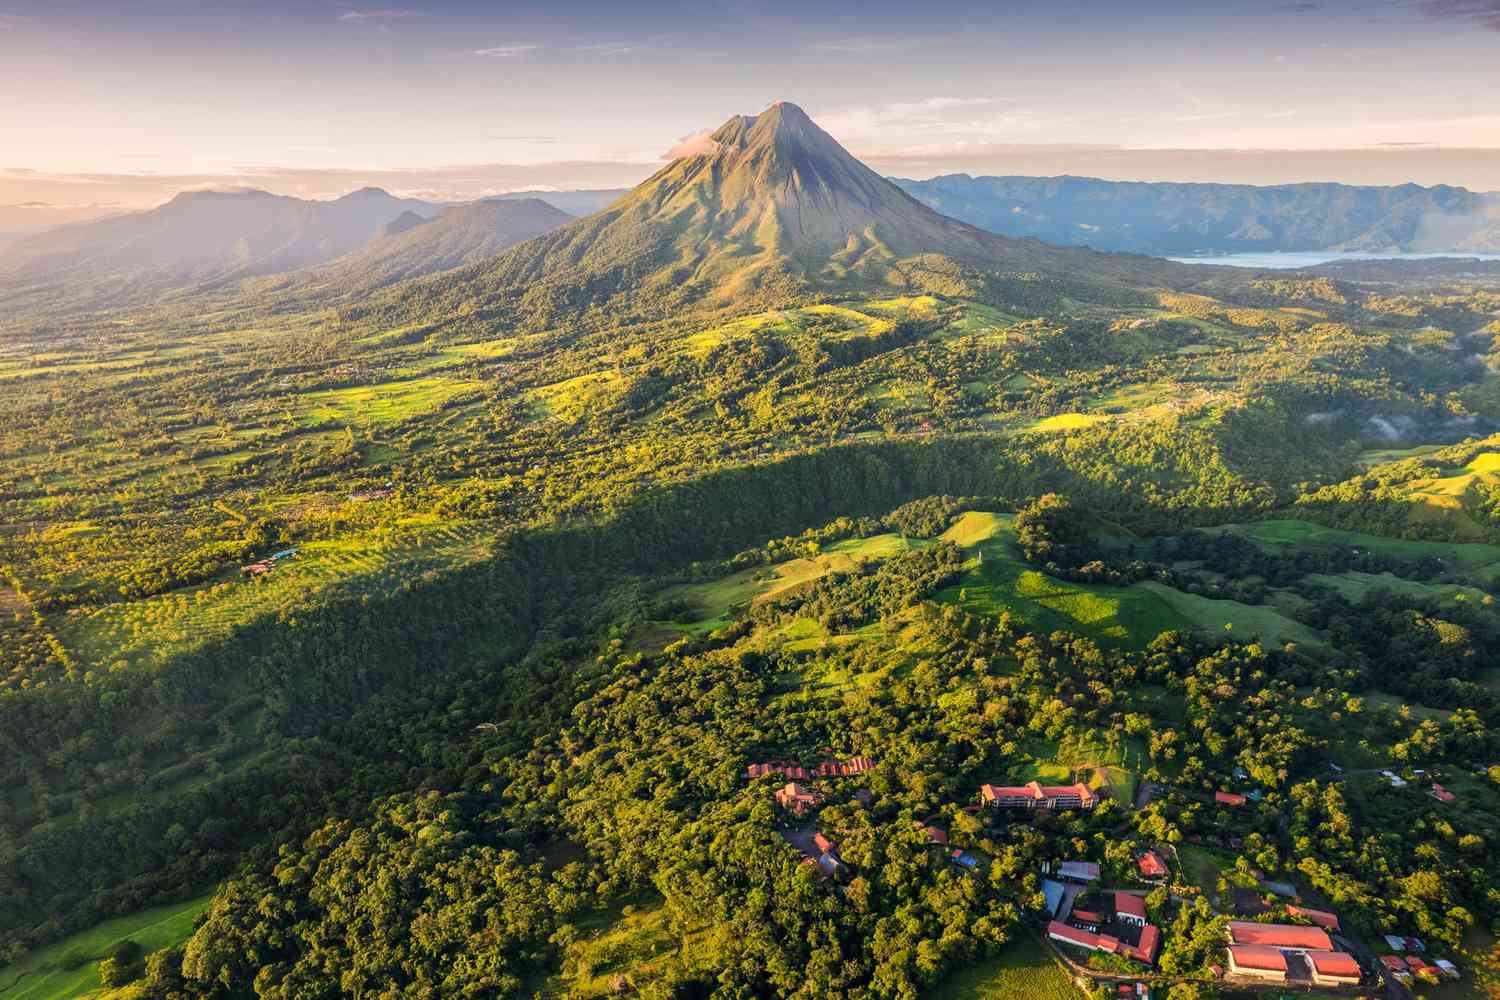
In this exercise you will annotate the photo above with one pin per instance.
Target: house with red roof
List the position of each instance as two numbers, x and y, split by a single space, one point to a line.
1232 799
936 836
822 843
1151 865
1442 794
1034 795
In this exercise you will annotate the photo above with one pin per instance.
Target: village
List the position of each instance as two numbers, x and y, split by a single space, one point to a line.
1274 942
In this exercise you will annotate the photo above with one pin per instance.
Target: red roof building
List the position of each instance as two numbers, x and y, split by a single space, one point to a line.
1087 917
1130 908
1151 865
823 844
1034 795
827 769
1328 921
1442 794
1334 968
1291 937
1234 799
1058 931
1144 950
935 835
1257 962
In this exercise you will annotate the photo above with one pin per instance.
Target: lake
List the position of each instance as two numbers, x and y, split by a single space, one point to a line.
1310 258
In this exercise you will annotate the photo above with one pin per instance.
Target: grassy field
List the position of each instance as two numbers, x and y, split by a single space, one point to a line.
1065 422
1022 969
1101 760
1288 532
68 968
998 580
1202 866
1231 619
715 600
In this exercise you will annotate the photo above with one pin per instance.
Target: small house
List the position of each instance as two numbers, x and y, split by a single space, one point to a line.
1151 865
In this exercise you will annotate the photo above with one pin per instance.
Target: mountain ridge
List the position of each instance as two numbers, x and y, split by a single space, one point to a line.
1170 218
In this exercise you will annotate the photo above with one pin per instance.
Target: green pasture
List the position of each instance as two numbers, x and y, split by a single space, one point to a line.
69 968
1022 969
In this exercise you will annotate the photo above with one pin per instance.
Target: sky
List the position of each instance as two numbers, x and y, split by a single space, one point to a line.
125 102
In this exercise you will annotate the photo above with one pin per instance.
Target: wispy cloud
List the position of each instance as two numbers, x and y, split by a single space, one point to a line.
1481 12
607 48
379 14
692 144
506 51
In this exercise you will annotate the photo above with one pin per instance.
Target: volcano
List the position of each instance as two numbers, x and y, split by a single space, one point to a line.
765 210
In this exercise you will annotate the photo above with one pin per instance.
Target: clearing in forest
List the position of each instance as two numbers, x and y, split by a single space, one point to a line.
1022 969
69 968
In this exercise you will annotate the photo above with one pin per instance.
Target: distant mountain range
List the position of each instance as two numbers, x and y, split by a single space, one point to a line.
1182 219
771 207
199 239
412 246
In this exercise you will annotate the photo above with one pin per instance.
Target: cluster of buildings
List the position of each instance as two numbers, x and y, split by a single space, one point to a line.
1285 953
827 769
799 798
267 564
1406 967
1033 795
1125 932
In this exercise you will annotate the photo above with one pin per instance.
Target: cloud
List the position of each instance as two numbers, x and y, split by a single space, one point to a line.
694 144
606 48
10 21
506 51
1300 8
379 14
1481 12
